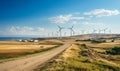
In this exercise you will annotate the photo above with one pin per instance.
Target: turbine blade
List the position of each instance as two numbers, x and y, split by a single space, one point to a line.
72 26
58 26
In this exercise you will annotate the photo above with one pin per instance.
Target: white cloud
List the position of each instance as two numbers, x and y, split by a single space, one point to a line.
62 19
16 30
13 30
102 12
41 29
90 23
94 24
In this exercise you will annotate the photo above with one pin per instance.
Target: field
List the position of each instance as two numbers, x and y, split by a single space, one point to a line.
10 49
85 56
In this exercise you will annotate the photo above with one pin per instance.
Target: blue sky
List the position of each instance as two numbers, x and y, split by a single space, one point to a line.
40 17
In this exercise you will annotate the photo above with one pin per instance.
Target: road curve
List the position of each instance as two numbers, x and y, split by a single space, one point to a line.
29 64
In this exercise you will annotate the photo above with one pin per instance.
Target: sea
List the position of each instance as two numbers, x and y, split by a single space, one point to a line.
14 38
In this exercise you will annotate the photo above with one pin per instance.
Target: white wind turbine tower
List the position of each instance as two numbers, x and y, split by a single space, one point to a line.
99 31
110 32
52 34
57 33
60 31
104 30
71 30
94 31
48 35
64 33
74 32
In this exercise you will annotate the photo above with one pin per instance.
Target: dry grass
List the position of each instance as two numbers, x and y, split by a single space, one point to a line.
10 49
99 50
72 60
22 48
15 43
105 45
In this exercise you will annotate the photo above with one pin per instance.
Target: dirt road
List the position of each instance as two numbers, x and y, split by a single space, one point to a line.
29 64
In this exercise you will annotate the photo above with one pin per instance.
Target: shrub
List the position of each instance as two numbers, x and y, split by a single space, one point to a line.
83 40
114 51
83 45
98 41
113 40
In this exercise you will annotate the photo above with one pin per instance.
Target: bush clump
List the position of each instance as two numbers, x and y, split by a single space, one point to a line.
98 41
112 40
83 40
83 45
114 51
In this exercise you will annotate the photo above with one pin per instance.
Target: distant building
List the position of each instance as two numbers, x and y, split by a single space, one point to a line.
31 40
25 40
20 40
35 40
28 40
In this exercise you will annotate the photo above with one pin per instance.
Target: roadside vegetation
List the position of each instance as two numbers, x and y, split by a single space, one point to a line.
80 57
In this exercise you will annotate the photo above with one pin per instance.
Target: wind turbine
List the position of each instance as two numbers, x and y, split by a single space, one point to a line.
60 30
52 34
65 34
104 30
110 31
94 31
100 31
71 30
57 33
48 35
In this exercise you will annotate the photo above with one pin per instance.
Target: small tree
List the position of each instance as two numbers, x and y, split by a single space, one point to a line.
84 45
112 40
